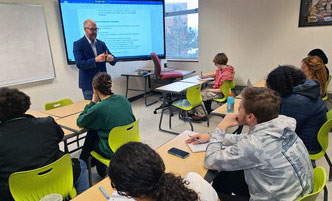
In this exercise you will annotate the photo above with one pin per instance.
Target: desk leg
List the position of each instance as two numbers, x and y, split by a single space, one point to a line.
161 116
66 146
127 86
147 81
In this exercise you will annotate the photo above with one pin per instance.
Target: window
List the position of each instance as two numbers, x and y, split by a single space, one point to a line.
181 29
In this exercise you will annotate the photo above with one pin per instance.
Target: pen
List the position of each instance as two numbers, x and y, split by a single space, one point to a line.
196 139
201 73
101 188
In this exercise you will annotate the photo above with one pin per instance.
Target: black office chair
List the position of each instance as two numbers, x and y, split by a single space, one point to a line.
169 76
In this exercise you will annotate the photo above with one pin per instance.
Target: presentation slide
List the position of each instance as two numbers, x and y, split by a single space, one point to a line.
130 29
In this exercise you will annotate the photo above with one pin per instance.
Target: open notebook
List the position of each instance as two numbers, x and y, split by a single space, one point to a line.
197 147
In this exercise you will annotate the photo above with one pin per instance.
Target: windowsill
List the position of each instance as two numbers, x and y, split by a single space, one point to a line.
182 60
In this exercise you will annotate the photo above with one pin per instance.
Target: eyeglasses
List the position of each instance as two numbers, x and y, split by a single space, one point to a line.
92 29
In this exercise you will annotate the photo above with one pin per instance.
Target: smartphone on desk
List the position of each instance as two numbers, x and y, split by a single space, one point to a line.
178 152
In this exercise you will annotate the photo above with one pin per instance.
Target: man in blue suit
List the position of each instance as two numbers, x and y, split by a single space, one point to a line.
91 56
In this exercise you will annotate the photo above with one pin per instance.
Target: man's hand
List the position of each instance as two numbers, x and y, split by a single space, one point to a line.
100 57
109 57
230 120
202 137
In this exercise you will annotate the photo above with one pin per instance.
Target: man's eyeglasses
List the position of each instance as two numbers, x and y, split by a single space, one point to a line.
92 29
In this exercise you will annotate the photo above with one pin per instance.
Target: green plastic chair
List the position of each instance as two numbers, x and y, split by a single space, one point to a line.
226 89
32 185
319 184
329 114
56 104
326 97
193 100
323 139
117 137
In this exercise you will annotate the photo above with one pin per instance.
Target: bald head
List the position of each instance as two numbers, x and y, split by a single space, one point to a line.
90 29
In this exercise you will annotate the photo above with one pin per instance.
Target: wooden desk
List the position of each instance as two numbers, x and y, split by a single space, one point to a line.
175 87
261 83
68 109
39 114
222 110
69 124
193 163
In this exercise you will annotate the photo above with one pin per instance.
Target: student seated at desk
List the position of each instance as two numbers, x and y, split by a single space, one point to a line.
224 72
106 111
300 99
322 55
270 161
28 143
314 68
138 171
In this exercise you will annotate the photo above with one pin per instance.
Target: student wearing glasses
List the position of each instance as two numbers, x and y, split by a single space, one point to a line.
91 56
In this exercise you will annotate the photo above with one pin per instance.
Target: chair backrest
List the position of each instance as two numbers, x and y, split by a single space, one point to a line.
323 134
319 183
157 64
122 134
194 96
56 177
57 104
326 85
329 114
226 87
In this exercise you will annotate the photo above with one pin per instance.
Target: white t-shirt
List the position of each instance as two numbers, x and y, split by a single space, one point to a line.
204 190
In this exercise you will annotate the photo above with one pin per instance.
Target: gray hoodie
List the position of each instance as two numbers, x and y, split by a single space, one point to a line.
275 161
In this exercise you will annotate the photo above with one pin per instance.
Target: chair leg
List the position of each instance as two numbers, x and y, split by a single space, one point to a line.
329 162
89 171
326 194
170 117
207 116
313 162
191 125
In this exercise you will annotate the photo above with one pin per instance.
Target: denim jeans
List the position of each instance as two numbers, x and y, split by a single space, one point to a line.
87 94
82 182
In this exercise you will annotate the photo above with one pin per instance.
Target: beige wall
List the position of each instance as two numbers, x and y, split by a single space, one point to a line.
257 35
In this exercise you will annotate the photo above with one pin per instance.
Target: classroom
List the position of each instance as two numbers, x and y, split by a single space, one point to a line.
256 35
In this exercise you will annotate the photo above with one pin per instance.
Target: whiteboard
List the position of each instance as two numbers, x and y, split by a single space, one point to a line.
25 54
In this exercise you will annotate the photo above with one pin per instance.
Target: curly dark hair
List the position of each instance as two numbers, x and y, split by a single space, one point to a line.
284 78
103 83
138 171
13 103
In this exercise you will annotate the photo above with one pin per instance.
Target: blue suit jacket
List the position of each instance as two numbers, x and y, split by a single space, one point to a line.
85 61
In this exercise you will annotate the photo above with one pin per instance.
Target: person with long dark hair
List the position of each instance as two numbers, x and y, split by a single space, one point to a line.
137 171
105 111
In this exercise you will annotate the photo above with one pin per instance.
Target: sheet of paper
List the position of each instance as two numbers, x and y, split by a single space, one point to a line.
116 197
198 147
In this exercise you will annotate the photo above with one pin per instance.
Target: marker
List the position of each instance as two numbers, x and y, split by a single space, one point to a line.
101 188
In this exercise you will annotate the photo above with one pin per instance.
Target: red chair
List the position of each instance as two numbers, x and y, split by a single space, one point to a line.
168 75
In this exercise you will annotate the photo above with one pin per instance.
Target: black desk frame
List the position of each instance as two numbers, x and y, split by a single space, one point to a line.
147 82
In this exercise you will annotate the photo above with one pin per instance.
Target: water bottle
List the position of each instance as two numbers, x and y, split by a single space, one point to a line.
230 103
